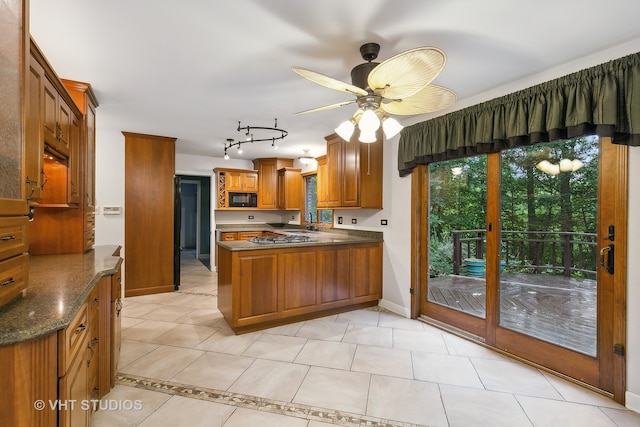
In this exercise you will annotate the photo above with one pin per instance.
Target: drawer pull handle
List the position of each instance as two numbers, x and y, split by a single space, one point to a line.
7 238
81 328
8 282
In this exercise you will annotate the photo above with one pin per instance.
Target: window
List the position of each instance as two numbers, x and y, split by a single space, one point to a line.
311 212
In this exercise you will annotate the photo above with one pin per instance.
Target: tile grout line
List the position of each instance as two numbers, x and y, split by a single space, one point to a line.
258 403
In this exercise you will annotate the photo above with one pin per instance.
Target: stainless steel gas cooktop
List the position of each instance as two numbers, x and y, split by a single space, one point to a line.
280 239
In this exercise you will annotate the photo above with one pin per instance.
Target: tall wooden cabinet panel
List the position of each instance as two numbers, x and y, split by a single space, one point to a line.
149 163
84 97
268 180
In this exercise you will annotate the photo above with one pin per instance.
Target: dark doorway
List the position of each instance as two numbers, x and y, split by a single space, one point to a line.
195 218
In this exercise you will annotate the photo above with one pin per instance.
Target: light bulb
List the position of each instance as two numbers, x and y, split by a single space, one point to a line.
367 137
369 122
345 130
391 127
226 156
239 150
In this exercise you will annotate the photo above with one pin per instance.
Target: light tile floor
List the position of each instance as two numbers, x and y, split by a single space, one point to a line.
181 365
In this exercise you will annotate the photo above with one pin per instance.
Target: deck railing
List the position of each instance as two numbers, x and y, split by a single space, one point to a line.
532 251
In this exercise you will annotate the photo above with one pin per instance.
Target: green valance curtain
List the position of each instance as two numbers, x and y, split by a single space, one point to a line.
602 100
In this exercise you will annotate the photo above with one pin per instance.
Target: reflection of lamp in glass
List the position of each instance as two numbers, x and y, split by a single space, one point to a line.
576 164
456 171
565 165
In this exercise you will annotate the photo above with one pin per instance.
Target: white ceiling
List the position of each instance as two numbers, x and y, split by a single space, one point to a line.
193 69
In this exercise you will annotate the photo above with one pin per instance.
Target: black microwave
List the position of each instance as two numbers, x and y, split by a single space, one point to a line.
243 200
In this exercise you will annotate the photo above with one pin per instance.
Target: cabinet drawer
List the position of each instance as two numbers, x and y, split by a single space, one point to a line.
14 276
228 235
246 235
13 236
72 339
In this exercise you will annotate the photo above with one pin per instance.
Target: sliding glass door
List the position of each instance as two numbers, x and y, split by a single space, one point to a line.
522 250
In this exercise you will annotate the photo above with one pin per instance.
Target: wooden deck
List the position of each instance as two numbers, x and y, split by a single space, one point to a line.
556 309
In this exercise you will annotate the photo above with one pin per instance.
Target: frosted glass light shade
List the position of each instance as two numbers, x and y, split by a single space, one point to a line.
369 122
367 137
345 130
565 165
391 127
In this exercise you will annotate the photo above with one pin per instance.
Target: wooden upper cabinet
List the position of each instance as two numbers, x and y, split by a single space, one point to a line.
34 136
352 176
56 119
242 181
268 180
290 188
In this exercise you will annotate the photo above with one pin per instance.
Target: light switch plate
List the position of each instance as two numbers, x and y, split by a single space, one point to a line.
111 210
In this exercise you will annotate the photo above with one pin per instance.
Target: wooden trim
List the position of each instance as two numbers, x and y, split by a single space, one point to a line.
419 235
492 232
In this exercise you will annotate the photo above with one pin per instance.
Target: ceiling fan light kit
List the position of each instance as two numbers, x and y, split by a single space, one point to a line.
400 85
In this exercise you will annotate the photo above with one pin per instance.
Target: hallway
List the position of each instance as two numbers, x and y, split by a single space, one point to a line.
184 365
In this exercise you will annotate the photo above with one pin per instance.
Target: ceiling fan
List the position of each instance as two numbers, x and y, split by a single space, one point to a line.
400 85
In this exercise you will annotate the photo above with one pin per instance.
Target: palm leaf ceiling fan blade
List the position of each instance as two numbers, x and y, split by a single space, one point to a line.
326 107
431 98
329 82
407 73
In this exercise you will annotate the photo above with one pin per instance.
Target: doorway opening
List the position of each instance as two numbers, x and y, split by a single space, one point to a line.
194 237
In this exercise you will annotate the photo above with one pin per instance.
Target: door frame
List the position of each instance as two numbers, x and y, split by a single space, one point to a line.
613 174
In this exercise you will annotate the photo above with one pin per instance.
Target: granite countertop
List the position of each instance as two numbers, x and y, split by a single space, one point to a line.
58 286
323 237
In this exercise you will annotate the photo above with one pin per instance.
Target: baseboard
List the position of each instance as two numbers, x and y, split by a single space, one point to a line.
395 308
632 401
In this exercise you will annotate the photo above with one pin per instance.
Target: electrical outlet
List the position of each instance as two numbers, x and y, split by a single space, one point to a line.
383 222
250 216
339 220
354 220
293 217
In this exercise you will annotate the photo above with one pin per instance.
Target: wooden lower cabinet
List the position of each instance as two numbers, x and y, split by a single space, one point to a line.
263 288
64 371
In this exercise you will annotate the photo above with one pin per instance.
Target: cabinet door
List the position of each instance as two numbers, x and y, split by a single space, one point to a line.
350 173
34 139
234 181
334 185
73 391
74 185
297 275
258 285
90 158
267 178
321 183
366 270
250 181
333 275
64 126
50 113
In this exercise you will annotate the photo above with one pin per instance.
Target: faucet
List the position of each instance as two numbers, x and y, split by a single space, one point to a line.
310 225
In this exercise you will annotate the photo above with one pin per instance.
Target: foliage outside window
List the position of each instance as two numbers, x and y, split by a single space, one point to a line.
312 213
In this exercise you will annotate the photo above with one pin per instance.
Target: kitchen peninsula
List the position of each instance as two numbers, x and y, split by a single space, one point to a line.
262 284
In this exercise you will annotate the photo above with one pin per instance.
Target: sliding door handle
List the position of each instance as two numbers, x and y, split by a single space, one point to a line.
607 258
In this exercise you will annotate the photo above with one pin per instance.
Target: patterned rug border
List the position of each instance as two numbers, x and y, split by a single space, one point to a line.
258 403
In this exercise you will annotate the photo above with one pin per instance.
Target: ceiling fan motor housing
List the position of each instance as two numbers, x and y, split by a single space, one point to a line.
360 73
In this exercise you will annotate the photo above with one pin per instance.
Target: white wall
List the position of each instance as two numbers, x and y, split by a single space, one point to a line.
397 192
633 284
